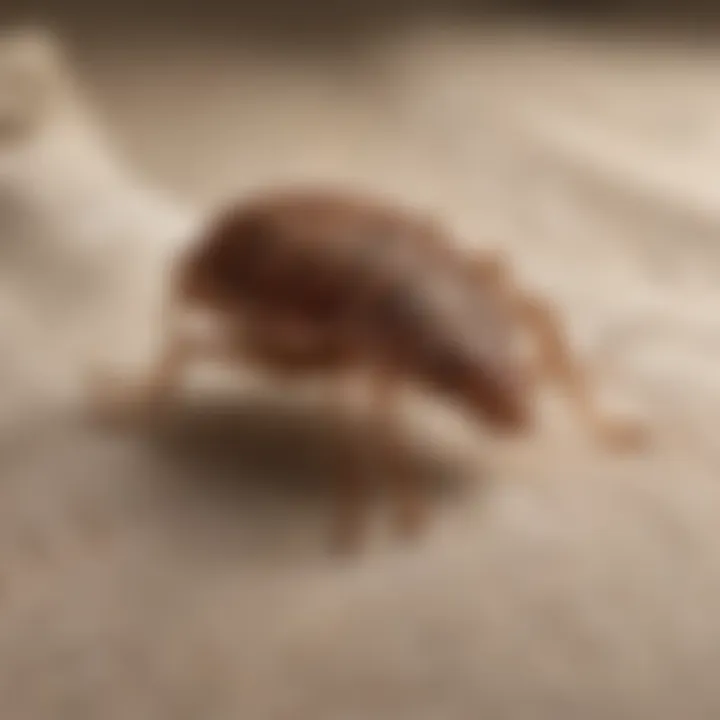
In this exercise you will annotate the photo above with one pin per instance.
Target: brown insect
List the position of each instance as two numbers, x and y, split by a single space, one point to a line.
321 282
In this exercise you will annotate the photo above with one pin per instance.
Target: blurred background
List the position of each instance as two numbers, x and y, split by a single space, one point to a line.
181 572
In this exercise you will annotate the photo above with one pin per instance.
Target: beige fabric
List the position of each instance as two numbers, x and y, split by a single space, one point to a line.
184 575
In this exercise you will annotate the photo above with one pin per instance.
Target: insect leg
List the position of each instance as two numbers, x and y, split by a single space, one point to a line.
556 363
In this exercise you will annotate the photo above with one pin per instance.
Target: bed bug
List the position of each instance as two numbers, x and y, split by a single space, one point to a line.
331 283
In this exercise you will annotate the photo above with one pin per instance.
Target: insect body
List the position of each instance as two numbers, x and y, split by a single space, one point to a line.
367 286
324 282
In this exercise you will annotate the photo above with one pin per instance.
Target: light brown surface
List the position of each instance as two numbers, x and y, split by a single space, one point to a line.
183 574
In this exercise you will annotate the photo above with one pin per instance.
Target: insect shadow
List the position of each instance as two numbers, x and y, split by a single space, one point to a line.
261 472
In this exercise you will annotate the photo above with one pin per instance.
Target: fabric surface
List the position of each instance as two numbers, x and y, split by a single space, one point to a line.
182 572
